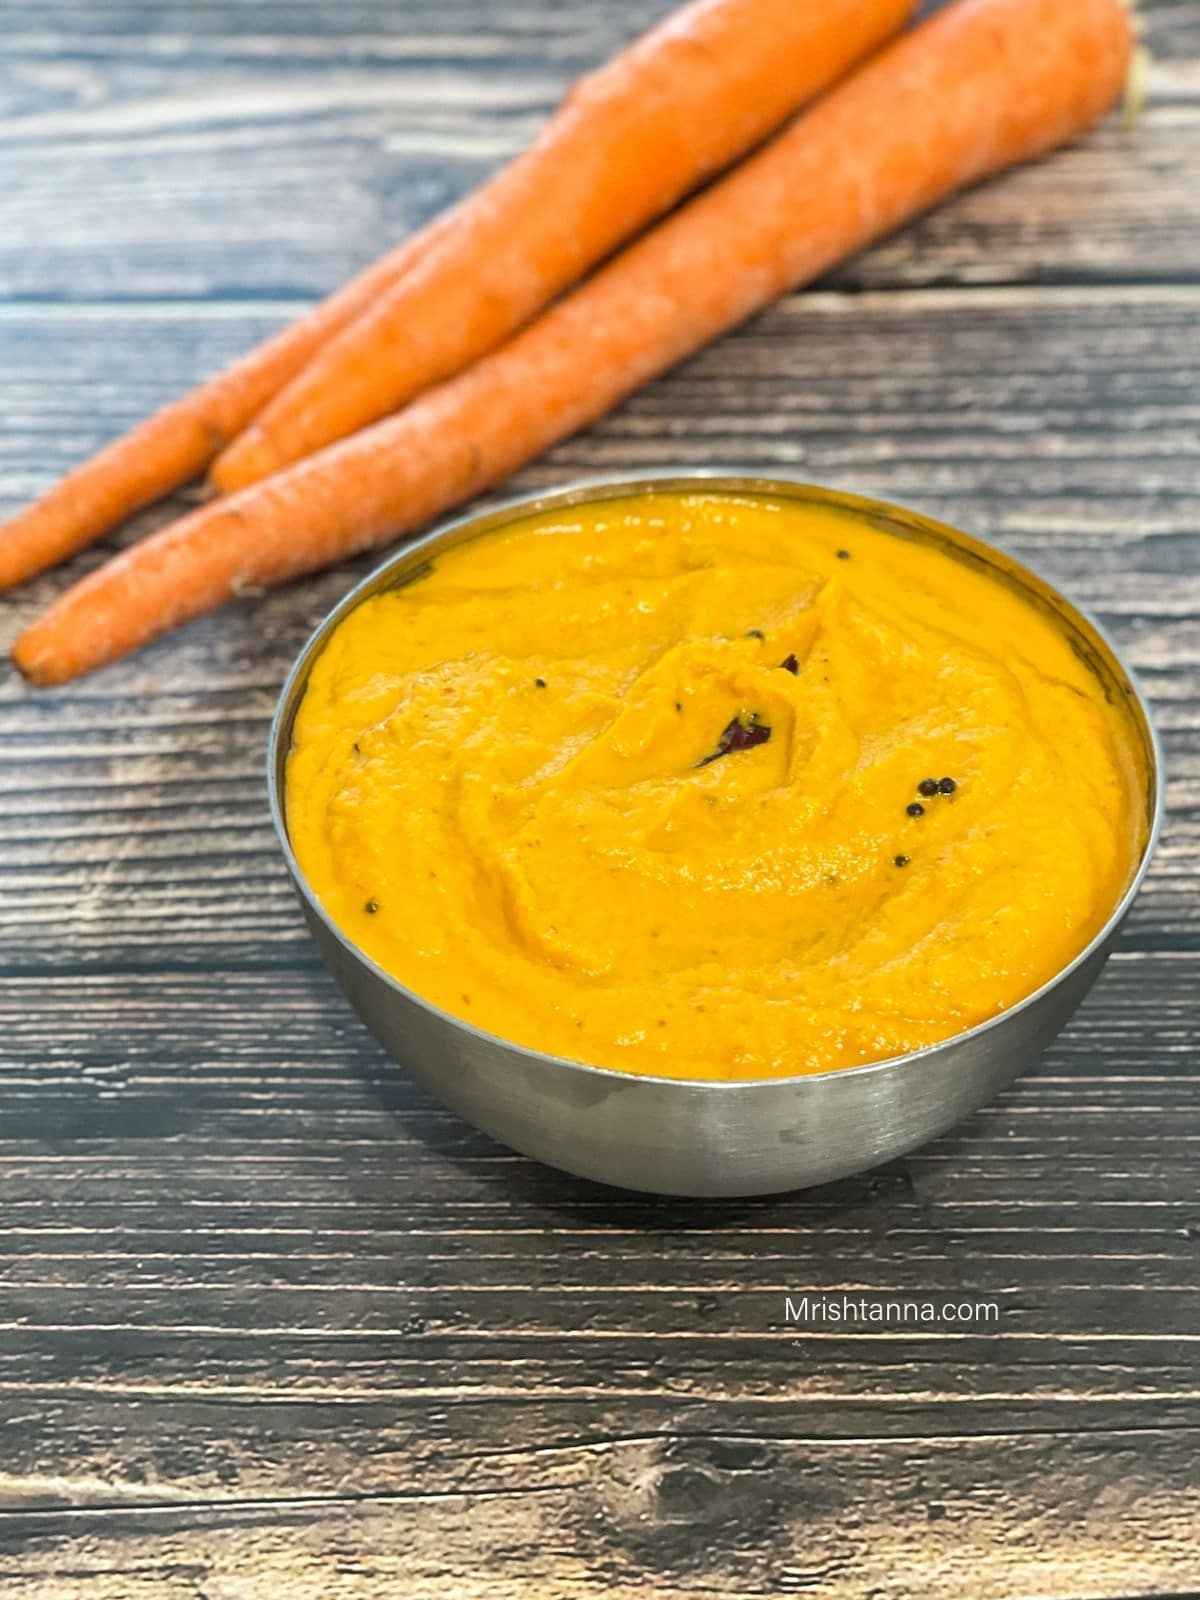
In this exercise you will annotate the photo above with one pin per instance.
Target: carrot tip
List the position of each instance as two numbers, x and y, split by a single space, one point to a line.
247 460
26 663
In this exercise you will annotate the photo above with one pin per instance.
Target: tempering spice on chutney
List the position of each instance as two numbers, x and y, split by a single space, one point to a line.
589 813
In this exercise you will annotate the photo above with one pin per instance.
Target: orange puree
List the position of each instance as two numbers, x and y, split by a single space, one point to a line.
635 783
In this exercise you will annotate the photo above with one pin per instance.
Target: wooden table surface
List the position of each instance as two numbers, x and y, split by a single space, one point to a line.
271 1322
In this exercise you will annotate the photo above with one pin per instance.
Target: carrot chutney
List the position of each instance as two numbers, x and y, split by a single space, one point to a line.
713 786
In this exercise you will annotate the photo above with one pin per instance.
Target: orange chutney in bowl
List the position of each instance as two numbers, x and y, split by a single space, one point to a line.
713 786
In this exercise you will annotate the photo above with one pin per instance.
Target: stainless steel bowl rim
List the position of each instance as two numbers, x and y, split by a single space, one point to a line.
730 480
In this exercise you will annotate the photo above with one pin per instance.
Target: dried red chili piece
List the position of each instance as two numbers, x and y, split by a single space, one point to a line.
739 735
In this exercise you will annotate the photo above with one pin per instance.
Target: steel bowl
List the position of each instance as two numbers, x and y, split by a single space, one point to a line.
698 1137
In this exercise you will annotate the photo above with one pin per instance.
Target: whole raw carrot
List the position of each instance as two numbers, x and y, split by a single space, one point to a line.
981 85
178 442
628 142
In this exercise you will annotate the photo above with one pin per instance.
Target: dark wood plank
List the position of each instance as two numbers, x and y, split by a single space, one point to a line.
665 1516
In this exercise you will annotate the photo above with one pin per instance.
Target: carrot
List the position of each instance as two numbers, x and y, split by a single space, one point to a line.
628 142
178 442
981 85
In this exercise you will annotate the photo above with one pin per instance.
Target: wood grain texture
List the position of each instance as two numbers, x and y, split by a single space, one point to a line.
669 1516
274 1324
